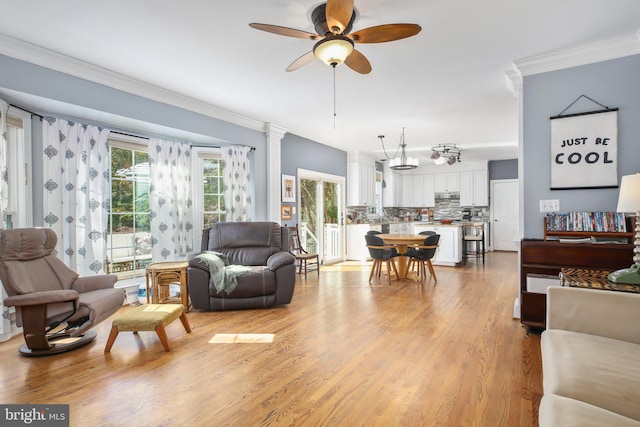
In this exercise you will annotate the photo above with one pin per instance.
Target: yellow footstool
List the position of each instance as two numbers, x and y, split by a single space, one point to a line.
150 317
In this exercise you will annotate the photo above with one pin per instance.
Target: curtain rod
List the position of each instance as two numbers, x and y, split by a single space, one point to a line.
25 110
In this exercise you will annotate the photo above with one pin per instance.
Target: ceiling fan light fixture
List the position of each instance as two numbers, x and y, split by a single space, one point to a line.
333 51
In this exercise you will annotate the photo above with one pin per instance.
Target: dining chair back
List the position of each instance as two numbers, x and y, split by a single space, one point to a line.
423 254
380 252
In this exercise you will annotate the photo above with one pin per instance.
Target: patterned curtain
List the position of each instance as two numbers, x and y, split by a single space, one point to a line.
5 323
238 186
4 176
171 201
76 192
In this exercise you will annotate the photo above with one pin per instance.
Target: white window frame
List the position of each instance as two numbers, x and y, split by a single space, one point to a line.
20 179
197 177
126 142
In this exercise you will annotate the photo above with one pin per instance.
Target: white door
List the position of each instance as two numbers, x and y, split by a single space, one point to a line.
504 211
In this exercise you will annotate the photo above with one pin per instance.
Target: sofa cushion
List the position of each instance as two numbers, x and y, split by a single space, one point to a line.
559 411
600 371
258 282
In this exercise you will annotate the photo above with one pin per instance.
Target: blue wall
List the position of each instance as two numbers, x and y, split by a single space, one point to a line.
39 81
503 169
302 153
614 83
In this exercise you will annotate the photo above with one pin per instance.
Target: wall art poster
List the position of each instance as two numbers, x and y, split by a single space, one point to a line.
584 150
288 188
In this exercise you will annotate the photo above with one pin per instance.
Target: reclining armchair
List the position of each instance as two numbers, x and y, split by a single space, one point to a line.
261 246
55 307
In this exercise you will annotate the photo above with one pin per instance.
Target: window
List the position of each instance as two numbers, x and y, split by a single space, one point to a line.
19 210
208 190
129 223
213 197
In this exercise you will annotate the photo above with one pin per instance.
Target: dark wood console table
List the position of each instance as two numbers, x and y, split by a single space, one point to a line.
549 257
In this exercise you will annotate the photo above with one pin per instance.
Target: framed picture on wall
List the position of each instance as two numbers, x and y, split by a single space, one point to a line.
288 188
286 212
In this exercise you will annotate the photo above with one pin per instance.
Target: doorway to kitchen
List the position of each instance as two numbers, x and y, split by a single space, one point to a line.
321 217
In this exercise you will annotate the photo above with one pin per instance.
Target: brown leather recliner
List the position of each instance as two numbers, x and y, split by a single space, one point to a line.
54 306
262 246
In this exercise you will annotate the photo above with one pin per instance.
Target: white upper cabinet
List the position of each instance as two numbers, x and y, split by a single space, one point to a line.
447 182
361 179
409 191
429 191
390 189
474 188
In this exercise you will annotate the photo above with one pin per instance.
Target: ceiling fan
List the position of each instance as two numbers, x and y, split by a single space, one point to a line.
335 42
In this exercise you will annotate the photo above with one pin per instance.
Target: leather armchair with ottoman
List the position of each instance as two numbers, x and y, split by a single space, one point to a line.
55 307
261 246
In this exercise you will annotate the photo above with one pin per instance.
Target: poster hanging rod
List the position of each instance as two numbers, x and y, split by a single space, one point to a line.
582 114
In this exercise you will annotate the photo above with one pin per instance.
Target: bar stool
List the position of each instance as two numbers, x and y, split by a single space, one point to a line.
475 237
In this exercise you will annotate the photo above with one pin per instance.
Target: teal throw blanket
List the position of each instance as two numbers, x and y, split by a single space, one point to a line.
223 276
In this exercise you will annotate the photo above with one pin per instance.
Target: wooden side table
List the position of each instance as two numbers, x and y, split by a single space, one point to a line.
593 279
163 274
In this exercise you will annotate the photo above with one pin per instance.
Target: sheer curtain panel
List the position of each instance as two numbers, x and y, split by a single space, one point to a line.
5 322
171 200
238 185
76 192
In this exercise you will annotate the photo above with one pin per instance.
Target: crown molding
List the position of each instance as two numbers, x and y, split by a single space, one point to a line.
28 52
514 81
597 52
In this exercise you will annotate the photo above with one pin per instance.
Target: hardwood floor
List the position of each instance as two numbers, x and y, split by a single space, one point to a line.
345 353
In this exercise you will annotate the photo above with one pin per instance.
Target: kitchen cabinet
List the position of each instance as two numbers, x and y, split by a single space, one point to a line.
428 191
406 191
418 190
447 182
409 191
449 250
356 245
474 188
361 180
400 228
391 189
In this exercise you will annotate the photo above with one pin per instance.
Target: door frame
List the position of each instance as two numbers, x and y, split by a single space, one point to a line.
341 181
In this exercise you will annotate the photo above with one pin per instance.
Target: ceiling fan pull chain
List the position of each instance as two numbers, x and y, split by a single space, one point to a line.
334 96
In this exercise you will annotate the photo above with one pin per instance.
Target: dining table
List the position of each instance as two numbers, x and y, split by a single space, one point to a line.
402 241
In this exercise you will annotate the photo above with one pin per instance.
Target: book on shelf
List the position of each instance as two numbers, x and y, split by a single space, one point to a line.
598 222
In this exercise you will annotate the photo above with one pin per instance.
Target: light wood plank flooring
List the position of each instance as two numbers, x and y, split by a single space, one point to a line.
345 353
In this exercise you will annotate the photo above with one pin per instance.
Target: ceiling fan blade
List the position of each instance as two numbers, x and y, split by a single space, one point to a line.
338 14
358 62
302 61
385 33
285 31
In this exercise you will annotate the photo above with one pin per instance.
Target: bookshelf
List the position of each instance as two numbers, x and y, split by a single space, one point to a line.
583 224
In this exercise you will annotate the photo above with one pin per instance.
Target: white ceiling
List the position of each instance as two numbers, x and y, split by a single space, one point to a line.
445 85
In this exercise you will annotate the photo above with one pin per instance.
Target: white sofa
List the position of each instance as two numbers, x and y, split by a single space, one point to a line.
591 358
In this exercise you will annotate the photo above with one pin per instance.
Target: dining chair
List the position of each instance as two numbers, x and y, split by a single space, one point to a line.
307 261
422 255
380 252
